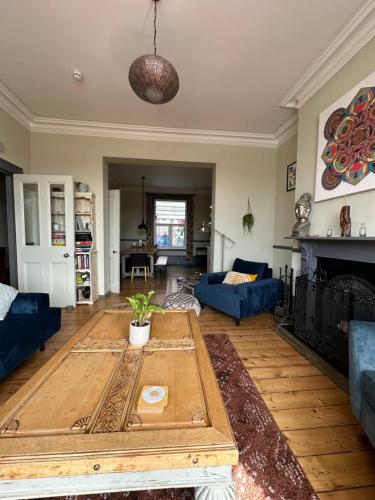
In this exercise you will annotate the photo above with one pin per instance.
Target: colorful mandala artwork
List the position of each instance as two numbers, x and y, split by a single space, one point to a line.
349 154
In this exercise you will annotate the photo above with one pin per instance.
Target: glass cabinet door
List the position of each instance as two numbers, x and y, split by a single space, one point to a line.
31 214
57 204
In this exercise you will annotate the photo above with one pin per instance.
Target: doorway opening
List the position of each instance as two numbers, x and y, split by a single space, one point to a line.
8 253
163 221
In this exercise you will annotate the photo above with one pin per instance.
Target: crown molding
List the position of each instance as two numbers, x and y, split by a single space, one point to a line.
287 130
140 132
15 107
354 35
20 112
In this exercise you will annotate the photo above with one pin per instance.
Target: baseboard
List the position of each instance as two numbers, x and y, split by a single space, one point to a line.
337 377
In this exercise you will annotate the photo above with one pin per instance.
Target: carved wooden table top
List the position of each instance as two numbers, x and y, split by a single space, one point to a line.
77 415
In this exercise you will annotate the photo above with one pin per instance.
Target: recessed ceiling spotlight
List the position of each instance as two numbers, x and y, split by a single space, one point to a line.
77 75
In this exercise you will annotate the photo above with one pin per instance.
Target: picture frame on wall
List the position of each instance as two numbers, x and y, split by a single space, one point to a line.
346 155
291 176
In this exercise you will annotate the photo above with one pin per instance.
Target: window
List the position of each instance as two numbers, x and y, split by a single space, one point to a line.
170 224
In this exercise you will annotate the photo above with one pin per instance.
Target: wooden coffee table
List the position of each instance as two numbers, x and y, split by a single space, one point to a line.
73 428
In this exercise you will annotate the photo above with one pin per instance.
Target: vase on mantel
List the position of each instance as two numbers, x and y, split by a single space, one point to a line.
362 230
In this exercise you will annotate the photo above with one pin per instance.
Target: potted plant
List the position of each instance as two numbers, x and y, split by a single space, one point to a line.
139 328
248 219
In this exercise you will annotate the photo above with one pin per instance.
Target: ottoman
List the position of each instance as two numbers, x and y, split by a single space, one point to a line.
181 300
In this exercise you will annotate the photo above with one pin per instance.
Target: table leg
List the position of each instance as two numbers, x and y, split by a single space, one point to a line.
123 263
151 265
220 492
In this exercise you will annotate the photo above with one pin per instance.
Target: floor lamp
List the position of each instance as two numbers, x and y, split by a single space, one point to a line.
206 228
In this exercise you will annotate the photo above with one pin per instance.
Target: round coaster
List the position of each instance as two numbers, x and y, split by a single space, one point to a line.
153 394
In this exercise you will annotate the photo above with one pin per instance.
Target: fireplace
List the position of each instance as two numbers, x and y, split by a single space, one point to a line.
332 293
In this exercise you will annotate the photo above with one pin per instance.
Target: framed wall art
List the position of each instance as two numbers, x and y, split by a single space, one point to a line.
291 176
346 144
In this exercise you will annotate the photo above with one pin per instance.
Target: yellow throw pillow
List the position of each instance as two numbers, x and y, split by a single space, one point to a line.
233 278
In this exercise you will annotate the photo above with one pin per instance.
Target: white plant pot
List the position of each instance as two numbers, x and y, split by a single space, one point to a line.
139 335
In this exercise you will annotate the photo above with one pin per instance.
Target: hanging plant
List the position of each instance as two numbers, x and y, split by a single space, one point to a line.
248 219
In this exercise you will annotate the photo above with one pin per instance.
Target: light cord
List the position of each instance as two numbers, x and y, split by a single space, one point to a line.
155 27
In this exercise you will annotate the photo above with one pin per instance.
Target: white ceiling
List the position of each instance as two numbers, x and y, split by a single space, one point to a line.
160 175
236 59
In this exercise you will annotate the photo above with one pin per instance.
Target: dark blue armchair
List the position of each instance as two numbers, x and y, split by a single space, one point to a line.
246 299
362 375
29 323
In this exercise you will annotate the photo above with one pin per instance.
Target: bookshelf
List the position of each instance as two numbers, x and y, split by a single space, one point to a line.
85 248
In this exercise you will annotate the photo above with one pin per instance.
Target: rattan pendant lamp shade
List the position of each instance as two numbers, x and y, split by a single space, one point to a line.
153 78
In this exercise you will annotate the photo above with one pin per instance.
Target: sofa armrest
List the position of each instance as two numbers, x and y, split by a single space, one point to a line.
267 273
213 278
261 295
29 303
361 358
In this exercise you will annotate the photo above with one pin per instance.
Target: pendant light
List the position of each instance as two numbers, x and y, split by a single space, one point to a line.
142 225
153 78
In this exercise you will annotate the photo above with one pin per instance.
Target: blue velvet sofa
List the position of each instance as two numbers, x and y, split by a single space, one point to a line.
28 324
246 299
362 375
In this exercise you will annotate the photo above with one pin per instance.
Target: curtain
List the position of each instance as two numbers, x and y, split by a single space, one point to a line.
150 217
189 226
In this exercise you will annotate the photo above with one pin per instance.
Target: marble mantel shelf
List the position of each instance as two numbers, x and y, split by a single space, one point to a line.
331 238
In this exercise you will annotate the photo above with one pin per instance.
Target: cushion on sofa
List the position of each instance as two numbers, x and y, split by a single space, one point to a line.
368 386
29 303
7 296
234 278
248 267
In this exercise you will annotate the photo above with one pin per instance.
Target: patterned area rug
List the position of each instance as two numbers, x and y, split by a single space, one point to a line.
267 468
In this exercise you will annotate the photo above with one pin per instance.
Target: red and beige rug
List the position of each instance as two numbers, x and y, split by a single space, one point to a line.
267 468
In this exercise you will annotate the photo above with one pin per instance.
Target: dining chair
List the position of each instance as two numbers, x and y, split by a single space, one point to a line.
139 262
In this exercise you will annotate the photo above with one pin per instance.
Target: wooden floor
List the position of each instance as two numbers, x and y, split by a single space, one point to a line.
312 412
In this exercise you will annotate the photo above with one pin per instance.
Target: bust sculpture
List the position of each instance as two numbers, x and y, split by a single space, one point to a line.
302 211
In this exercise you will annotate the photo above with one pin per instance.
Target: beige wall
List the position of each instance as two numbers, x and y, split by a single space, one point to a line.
284 213
362 204
16 140
240 172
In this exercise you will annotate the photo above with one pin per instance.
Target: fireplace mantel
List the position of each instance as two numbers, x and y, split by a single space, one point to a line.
360 249
332 238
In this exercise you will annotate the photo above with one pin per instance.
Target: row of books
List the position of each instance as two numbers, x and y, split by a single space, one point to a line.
83 294
84 245
58 239
82 261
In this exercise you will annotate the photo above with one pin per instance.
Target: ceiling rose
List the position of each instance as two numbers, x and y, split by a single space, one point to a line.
153 78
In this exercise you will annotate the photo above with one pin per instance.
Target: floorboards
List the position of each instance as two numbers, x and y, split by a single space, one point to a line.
311 411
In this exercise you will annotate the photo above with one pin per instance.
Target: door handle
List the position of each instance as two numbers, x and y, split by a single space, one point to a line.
114 251
66 255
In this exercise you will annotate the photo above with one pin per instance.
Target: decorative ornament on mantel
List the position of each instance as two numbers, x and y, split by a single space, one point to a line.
345 222
153 78
302 210
248 219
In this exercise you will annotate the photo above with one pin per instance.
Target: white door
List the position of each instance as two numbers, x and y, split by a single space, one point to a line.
45 236
114 240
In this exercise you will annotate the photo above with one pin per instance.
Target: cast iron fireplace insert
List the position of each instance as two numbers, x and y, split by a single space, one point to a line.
327 299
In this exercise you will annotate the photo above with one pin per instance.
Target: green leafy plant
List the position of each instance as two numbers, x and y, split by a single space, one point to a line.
248 220
142 307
